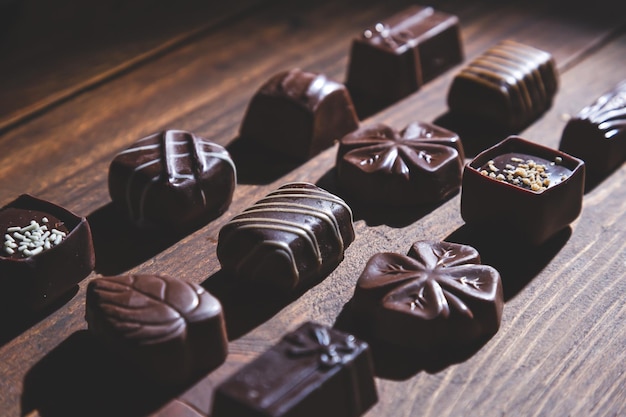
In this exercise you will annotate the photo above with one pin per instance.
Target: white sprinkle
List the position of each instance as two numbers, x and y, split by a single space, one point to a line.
44 220
9 238
58 239
58 232
30 227
14 229
37 250
47 245
19 236
27 252
9 250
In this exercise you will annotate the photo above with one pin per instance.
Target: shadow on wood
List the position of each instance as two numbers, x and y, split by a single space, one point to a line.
80 378
14 321
399 363
119 245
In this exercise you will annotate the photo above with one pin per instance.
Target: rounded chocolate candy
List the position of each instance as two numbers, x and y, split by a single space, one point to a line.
422 164
173 179
171 330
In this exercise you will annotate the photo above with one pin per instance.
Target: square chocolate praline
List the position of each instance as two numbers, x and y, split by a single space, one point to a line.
313 371
394 57
518 213
31 283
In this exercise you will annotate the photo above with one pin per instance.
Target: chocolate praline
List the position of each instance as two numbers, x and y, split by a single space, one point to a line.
522 192
507 87
439 295
32 282
312 371
173 180
396 56
597 134
170 330
298 114
421 164
288 240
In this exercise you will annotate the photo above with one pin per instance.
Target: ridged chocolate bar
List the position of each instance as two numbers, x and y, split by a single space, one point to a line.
290 238
509 86
170 330
421 164
298 114
597 134
313 371
396 56
173 179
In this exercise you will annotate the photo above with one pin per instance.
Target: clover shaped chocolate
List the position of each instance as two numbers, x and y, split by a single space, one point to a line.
439 294
421 164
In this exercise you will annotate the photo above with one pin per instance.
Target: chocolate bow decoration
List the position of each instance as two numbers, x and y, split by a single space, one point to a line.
318 341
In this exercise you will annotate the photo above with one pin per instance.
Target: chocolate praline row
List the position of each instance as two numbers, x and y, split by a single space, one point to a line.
522 192
173 180
169 330
422 164
298 114
396 56
597 134
509 86
47 250
292 237
312 371
439 295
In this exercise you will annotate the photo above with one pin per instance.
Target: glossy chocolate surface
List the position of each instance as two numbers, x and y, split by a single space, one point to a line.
421 164
173 180
170 330
500 207
313 371
438 295
396 56
509 86
597 134
299 114
292 237
31 282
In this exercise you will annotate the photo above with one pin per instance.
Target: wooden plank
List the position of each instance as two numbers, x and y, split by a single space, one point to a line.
563 312
54 51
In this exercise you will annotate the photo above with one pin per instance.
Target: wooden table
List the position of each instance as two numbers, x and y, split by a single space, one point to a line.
80 82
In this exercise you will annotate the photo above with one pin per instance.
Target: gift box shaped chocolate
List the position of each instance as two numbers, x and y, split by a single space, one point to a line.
597 134
313 371
523 191
47 250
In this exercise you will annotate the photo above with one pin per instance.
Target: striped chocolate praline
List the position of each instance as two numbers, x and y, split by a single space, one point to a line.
174 180
289 239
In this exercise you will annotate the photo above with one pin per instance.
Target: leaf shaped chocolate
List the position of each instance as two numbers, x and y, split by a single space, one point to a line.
437 294
169 327
421 164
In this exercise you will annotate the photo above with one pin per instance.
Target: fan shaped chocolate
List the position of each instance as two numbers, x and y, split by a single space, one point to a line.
46 251
170 330
298 114
289 239
509 86
173 180
526 189
313 371
396 56
419 165
438 295
597 134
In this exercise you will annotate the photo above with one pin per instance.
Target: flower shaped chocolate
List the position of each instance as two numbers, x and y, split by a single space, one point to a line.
436 295
422 164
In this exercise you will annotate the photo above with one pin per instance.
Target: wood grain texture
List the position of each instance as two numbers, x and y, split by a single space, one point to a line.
561 349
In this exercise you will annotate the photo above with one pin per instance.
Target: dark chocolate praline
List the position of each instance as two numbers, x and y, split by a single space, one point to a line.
422 164
47 250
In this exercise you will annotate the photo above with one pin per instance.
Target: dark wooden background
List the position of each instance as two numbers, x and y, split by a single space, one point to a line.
80 81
